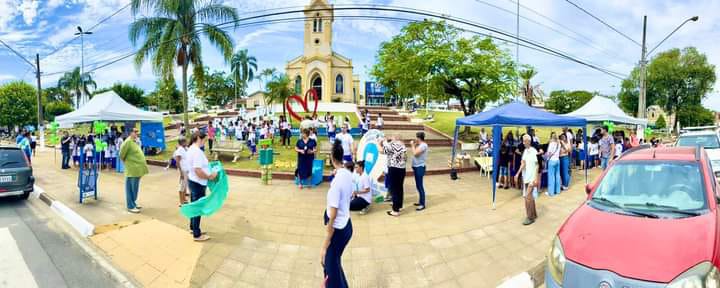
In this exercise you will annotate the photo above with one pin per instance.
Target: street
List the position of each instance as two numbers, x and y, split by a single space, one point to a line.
38 252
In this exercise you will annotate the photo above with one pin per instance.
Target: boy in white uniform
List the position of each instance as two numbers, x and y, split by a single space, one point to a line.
180 156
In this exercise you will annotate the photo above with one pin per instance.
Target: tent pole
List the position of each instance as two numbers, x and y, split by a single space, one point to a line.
497 136
453 172
586 153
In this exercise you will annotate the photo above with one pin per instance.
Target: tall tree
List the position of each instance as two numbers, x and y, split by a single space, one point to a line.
678 80
216 89
166 96
76 83
266 75
17 104
432 57
172 36
278 91
562 101
130 93
56 94
529 92
243 68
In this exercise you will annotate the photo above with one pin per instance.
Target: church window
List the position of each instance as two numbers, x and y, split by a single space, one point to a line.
298 85
315 25
339 84
319 25
317 41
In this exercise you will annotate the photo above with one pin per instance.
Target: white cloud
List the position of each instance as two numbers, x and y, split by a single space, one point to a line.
8 11
29 10
6 77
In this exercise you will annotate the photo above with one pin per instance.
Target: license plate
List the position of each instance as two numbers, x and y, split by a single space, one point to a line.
6 179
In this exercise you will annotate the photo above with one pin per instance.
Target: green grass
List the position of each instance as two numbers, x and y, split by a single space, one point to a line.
285 161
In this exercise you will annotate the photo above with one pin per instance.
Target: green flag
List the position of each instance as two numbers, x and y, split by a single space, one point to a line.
209 204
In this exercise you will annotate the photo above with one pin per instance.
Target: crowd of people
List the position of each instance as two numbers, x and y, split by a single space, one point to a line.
524 160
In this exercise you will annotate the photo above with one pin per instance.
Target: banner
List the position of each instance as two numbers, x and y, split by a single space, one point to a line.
212 203
152 134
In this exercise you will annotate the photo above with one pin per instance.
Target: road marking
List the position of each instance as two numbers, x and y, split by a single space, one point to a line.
14 272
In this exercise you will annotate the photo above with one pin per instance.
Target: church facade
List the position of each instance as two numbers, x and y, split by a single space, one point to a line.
320 68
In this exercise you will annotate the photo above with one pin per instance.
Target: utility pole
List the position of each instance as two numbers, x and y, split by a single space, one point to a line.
517 43
643 68
41 127
82 33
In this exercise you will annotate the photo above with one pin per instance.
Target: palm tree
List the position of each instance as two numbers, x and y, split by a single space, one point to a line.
528 91
278 91
77 84
267 74
243 68
172 36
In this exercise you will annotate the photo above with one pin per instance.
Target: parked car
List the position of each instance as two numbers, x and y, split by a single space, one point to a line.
16 174
707 138
650 220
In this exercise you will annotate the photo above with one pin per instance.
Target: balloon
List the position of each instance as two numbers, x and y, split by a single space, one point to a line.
100 127
100 145
610 125
648 131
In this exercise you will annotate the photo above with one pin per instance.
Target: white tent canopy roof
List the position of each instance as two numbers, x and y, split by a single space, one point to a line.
107 106
600 109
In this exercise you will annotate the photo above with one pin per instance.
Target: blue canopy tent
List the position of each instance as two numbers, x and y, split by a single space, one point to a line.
514 114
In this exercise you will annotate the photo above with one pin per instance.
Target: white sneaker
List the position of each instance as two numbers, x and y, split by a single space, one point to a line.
134 210
364 211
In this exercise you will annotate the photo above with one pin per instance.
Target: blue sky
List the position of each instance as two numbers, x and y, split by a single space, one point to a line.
33 26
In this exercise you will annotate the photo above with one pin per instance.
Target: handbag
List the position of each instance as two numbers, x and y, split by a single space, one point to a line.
547 154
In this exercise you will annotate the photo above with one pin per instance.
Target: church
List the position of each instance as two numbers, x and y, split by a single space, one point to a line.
320 68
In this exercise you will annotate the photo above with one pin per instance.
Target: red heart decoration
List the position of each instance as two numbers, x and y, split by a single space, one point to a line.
303 104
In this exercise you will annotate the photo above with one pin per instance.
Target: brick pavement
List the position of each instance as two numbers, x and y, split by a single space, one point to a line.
269 236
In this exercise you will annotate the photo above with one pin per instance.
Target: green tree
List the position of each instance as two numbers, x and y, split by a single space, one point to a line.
52 109
676 80
130 93
243 68
562 101
433 57
529 92
695 115
216 88
18 104
55 94
278 90
172 36
166 96
76 83
660 122
266 75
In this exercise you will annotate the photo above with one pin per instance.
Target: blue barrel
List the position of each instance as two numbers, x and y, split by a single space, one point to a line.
317 171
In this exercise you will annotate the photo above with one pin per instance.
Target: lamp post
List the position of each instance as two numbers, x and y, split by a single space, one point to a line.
643 62
82 33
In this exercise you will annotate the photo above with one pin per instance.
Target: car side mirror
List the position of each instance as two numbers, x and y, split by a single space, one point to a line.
588 189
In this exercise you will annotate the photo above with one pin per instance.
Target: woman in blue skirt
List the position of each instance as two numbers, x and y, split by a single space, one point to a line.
305 147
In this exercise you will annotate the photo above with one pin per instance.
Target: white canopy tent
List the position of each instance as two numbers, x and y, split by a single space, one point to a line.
600 109
107 106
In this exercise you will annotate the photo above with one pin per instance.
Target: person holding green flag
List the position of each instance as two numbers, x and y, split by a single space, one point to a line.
198 176
135 167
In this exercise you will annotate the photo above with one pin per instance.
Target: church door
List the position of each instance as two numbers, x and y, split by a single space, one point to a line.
317 85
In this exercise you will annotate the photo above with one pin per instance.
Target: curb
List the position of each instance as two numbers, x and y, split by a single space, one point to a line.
85 229
534 277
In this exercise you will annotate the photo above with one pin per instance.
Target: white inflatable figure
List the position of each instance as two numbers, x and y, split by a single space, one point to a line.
375 162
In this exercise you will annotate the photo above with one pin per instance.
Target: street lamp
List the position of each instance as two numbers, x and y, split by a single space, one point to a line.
643 62
81 33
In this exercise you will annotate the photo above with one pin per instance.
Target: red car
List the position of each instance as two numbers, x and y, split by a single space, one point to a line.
650 220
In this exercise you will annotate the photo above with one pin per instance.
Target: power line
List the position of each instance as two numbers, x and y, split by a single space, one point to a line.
527 43
590 44
103 20
17 54
603 22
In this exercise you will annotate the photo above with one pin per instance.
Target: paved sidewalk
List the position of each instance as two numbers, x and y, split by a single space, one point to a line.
269 236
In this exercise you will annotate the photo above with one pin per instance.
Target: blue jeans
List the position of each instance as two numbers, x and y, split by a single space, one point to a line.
197 191
419 174
132 185
604 162
553 171
333 256
65 159
565 170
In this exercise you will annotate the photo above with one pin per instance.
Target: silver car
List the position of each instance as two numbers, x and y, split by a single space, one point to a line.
16 174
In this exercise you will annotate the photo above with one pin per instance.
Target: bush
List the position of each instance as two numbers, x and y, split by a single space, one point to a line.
53 109
660 122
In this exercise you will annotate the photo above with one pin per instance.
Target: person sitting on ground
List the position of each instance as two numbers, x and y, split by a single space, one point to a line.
361 197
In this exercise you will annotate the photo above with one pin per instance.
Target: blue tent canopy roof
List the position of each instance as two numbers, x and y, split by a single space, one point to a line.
519 114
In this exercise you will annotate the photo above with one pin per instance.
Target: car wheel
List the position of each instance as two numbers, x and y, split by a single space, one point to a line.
25 195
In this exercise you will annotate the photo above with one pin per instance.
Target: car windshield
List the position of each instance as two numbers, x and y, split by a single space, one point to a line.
668 187
12 158
707 141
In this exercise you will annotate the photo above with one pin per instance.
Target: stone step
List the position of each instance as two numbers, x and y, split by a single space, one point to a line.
399 118
393 125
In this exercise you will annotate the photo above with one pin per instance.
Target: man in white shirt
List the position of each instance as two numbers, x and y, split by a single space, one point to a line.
529 169
362 197
347 144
